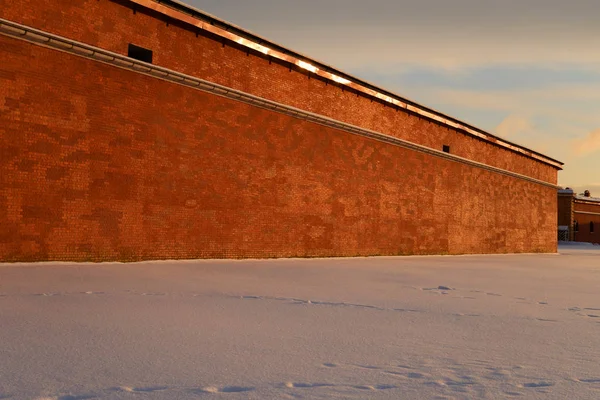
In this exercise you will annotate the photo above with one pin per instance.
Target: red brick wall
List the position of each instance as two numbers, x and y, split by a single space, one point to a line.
112 25
584 234
100 163
565 209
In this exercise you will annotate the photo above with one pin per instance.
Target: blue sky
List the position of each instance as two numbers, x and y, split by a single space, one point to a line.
527 70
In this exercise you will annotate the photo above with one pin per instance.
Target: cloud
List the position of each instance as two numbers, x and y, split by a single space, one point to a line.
571 107
515 125
587 145
536 99
523 130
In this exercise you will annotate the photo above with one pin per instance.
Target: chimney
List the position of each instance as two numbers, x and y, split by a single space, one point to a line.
586 193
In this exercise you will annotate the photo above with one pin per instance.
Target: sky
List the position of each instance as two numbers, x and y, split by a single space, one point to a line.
526 70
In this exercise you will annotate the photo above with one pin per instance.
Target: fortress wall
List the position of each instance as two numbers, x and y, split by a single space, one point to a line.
101 163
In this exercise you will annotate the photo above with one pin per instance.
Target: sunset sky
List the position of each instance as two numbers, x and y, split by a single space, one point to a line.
527 70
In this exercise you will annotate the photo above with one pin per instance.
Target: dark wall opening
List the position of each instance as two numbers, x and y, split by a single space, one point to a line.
139 53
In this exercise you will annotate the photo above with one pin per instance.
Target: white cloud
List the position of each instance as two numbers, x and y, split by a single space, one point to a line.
515 126
522 130
558 100
587 145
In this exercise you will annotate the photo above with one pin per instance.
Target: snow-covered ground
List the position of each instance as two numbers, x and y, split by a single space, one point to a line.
467 327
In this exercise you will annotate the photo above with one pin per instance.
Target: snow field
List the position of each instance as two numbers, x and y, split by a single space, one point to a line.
489 327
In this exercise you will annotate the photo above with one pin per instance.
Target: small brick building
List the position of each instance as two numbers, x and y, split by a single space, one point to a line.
138 129
578 216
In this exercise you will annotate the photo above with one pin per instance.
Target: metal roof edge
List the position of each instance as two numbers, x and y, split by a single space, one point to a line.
589 200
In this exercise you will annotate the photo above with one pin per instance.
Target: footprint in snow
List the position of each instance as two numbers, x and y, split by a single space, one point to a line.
305 385
588 380
364 387
372 367
436 383
148 389
66 397
441 287
416 375
513 394
542 384
226 389
583 311
403 374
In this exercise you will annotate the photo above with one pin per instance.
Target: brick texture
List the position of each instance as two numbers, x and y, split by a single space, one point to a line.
100 163
111 25
565 213
584 233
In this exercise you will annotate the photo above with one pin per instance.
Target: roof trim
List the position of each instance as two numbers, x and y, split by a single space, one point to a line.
200 19
587 200
586 212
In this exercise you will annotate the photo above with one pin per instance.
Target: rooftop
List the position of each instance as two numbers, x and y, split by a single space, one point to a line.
584 198
581 196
